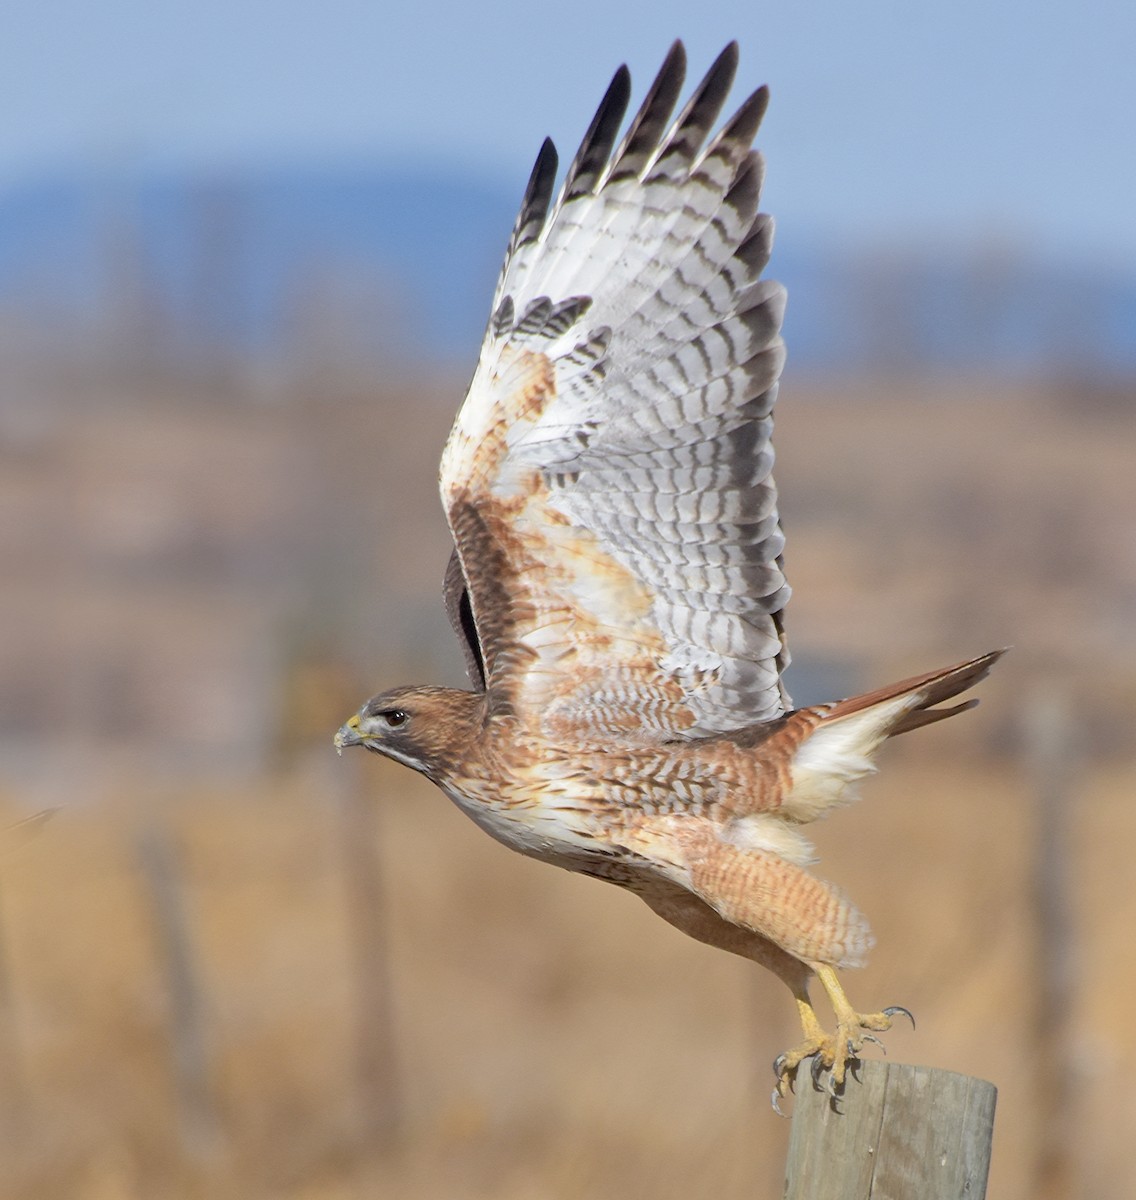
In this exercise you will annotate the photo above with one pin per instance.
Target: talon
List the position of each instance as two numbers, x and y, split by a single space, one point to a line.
776 1101
816 1068
898 1008
779 1065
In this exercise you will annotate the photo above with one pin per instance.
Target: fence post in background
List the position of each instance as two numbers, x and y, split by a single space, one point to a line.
900 1132
198 1122
15 1095
376 1060
1051 752
13 1090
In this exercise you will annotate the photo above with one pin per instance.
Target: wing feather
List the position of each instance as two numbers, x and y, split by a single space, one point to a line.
645 132
529 225
608 479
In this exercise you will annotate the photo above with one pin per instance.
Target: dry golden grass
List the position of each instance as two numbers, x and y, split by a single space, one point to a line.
552 1037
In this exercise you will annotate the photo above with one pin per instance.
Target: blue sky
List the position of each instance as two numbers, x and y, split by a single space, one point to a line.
891 119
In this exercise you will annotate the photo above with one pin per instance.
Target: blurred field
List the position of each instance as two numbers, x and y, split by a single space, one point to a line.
202 584
553 1038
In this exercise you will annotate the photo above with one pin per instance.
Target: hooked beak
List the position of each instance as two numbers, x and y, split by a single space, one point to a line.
348 735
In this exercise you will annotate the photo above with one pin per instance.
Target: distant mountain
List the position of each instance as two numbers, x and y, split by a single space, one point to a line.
228 264
370 266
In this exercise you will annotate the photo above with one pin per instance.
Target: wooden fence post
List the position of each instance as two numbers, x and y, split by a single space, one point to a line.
199 1124
16 1117
1051 753
378 1079
898 1133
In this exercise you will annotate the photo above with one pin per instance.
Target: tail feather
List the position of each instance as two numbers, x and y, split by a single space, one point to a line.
838 750
925 691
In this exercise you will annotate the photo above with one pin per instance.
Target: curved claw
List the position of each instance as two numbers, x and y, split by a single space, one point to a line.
868 1037
783 1073
816 1069
898 1008
776 1100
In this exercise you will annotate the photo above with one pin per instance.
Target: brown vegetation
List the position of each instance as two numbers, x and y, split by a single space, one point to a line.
197 592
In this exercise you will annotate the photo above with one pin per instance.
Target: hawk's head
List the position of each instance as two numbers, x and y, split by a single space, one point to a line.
427 728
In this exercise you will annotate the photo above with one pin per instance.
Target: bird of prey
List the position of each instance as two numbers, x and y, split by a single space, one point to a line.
617 581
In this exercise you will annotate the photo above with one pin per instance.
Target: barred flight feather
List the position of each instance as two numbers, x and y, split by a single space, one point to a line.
639 286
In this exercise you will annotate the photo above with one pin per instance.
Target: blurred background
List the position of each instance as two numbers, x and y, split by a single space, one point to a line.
245 258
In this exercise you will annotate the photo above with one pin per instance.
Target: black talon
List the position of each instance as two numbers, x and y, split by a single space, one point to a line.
875 1041
816 1068
898 1008
777 1104
781 1071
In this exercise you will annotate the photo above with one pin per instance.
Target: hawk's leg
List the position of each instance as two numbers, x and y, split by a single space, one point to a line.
833 1052
814 926
853 1029
815 1039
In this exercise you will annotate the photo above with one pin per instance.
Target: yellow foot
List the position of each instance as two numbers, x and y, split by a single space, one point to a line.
833 1053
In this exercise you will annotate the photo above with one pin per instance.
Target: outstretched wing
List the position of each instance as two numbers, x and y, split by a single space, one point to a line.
607 480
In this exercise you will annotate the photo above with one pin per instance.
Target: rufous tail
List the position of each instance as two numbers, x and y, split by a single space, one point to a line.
845 736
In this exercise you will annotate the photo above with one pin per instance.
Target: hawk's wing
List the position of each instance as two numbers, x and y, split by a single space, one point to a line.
607 480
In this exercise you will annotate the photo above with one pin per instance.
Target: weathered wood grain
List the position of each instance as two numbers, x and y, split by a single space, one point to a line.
898 1133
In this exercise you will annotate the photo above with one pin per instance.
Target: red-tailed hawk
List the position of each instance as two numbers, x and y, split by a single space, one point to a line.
617 578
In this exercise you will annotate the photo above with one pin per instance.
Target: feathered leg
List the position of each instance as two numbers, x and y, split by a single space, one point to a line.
815 927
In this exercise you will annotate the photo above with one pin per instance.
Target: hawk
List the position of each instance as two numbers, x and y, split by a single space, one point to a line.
617 580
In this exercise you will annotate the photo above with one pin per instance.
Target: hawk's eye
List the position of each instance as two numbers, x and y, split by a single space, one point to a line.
394 717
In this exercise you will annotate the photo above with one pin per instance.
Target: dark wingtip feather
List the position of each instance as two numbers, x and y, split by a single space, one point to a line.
647 128
744 124
538 194
702 109
720 78
595 150
729 58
